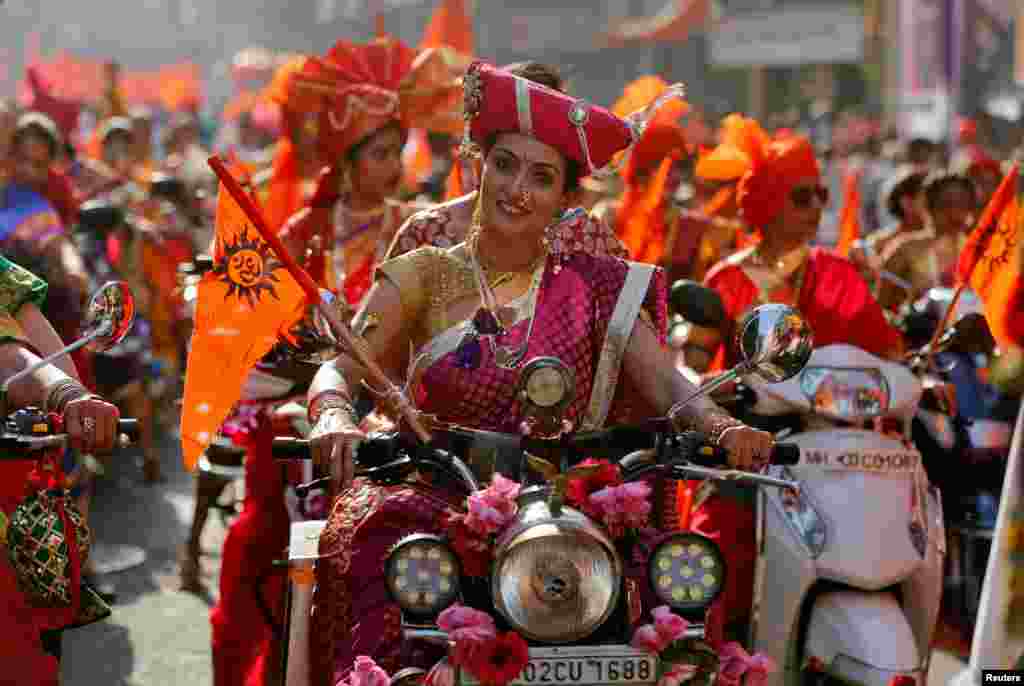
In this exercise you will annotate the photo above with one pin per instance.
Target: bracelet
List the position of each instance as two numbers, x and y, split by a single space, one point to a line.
330 400
713 425
63 392
718 424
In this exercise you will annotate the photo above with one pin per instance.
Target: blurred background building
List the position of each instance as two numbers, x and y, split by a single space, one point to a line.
906 64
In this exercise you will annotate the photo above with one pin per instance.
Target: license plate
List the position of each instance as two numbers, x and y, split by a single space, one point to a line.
592 665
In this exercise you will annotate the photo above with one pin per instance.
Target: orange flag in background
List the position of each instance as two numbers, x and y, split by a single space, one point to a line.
417 160
849 218
988 262
244 305
450 25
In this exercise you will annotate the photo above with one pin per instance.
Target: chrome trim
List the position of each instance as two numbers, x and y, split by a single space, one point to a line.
534 513
415 633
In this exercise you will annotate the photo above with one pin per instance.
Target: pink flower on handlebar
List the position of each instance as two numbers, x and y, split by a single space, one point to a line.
679 674
670 626
580 488
441 674
492 508
461 617
367 673
735 663
667 628
504 491
623 507
647 639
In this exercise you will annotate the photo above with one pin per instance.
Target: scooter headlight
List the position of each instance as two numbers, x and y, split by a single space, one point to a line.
556 584
687 572
422 575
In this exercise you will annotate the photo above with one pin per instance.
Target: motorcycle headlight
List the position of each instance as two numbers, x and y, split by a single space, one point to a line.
422 575
687 572
557 580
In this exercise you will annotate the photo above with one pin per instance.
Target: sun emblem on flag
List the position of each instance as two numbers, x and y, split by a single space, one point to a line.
248 268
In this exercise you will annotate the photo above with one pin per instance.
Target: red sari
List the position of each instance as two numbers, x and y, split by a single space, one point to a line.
242 639
22 660
838 305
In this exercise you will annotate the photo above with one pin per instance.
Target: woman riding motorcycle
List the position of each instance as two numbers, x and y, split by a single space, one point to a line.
92 424
781 195
367 145
476 312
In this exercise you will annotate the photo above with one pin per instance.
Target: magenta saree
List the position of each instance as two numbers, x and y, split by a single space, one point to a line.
586 311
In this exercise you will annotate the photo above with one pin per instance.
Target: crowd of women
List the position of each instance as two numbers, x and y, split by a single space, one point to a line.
513 241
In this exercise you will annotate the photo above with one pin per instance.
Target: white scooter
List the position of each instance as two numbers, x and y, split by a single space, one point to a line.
850 569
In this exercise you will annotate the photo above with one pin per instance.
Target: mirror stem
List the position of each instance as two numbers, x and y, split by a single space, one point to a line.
85 340
714 384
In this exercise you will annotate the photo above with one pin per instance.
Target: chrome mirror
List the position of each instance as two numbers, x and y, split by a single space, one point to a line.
775 343
109 316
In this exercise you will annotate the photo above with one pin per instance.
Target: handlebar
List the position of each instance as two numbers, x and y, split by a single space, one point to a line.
687 455
16 447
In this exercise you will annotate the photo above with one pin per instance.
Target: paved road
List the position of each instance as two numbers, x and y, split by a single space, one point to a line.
159 636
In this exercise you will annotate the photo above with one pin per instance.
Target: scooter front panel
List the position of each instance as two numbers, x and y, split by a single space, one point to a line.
865 487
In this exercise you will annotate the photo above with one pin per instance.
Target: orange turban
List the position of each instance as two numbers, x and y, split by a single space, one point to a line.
773 172
640 218
364 87
662 138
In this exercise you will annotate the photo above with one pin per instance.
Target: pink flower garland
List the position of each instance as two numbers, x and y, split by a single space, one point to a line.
366 672
734 663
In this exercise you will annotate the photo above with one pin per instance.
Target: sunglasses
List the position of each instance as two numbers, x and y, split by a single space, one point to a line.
803 195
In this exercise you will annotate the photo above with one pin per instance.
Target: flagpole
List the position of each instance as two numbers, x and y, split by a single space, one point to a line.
322 298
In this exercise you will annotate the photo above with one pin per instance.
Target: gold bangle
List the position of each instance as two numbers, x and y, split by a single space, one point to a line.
331 399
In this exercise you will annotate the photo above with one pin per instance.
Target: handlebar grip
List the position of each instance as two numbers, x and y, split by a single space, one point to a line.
782 454
128 427
285 448
786 454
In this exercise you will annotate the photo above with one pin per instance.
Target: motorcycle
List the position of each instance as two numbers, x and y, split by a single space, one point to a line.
562 577
863 544
972 430
36 529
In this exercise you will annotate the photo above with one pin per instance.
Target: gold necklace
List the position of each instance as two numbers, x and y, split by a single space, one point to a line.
497 279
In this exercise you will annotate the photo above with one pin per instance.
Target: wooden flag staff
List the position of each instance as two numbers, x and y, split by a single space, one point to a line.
323 299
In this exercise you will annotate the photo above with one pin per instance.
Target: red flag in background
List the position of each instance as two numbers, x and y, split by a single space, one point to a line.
849 218
989 261
244 306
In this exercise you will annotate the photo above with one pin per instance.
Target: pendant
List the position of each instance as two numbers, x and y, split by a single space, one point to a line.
469 352
485 323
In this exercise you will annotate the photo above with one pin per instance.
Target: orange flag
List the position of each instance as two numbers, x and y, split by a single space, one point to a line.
244 305
417 160
849 218
988 262
449 25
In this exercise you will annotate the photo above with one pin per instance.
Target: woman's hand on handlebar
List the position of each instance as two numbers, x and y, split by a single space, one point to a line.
91 424
747 448
333 441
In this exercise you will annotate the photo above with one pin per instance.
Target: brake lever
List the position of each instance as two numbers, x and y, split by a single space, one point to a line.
690 470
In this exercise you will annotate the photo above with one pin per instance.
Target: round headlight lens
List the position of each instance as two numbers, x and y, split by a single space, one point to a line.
556 586
687 572
546 387
422 575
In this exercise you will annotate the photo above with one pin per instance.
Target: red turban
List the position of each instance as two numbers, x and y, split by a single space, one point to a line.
774 172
